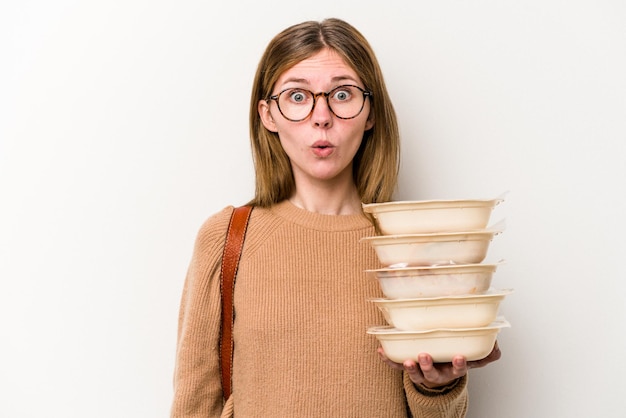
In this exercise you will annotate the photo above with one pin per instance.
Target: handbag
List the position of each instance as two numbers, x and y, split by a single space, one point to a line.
230 262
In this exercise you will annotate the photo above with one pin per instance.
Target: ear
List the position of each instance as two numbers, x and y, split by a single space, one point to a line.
266 116
369 123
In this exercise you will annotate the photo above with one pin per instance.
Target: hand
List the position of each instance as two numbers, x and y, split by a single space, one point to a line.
432 375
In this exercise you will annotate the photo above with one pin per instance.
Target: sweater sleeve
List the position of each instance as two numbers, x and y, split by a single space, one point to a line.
197 385
450 405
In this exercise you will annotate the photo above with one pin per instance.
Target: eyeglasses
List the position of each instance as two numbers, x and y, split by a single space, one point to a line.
345 102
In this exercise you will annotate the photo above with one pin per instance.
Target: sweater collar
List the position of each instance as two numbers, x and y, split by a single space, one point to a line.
320 222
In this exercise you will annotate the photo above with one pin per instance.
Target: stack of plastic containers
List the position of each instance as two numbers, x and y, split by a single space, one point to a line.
438 291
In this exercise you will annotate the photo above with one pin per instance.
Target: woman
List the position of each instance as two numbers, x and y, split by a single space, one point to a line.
324 139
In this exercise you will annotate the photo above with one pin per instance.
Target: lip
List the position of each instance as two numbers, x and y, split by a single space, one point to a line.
322 148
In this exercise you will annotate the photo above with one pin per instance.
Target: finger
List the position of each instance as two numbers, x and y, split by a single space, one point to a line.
428 368
459 366
426 362
414 372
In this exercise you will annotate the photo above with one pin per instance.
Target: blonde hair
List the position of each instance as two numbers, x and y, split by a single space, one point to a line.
376 163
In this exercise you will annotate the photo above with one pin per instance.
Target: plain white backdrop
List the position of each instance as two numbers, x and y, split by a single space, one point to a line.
123 125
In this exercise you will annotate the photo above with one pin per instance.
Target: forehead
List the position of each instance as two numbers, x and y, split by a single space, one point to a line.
324 68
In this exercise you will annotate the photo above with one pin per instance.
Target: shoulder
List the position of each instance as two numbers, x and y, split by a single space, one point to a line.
218 220
212 232
209 245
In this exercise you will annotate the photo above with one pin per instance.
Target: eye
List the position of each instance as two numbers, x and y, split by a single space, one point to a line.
298 96
342 94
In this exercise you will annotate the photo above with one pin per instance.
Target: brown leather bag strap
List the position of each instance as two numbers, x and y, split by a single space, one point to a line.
230 262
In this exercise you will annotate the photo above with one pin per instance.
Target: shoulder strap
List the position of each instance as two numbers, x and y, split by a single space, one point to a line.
230 262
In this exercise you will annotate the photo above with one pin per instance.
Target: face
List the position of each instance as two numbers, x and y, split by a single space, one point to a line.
321 147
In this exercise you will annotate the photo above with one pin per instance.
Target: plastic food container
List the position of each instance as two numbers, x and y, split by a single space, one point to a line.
434 281
432 249
429 216
466 311
441 344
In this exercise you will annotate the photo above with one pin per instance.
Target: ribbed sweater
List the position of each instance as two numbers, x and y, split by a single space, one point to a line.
301 315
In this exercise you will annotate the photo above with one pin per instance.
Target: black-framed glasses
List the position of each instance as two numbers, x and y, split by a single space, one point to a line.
345 102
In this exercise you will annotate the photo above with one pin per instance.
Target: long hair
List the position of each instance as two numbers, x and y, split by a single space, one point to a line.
376 163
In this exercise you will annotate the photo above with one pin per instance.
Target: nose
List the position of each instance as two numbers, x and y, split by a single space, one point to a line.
321 114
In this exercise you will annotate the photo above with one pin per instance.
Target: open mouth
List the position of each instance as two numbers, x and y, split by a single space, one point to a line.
323 148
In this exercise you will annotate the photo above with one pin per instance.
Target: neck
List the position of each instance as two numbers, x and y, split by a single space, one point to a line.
328 200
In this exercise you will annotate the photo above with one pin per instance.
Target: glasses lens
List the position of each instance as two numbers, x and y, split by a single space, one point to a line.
346 102
295 104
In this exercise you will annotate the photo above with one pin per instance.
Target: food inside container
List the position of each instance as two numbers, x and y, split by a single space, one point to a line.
434 281
441 344
463 311
429 216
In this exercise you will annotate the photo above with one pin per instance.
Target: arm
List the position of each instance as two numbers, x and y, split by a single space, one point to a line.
451 402
197 386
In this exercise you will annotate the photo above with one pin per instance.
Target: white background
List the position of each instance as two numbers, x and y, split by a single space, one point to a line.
123 125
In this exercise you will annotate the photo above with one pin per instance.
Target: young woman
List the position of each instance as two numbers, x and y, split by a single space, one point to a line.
324 140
